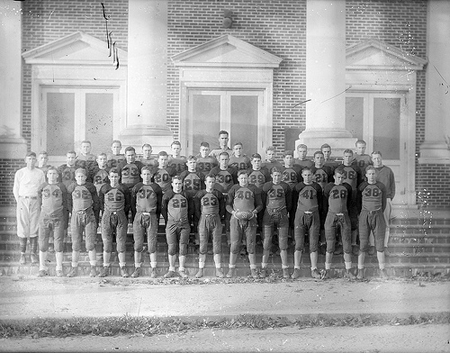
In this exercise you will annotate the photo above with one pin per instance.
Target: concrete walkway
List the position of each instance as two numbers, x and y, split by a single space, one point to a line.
30 297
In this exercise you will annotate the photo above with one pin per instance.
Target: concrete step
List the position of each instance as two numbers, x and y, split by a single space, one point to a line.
242 269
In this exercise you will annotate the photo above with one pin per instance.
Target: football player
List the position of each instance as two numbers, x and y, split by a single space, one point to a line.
244 203
223 145
205 162
302 161
307 199
238 159
176 161
84 206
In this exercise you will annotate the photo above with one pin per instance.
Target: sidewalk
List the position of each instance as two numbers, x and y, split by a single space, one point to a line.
30 297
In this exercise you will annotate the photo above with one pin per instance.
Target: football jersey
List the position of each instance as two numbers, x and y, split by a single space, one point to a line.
130 173
337 198
205 165
67 174
244 198
163 177
352 176
332 164
291 175
258 177
322 176
151 162
304 163
271 164
240 163
308 197
277 195
53 198
100 177
192 182
114 199
209 202
175 206
362 161
177 164
114 160
147 198
225 178
83 196
372 197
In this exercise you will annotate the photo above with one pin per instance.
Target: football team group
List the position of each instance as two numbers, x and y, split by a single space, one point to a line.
321 205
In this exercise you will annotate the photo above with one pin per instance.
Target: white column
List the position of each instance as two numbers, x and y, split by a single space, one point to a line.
437 100
12 145
325 77
147 76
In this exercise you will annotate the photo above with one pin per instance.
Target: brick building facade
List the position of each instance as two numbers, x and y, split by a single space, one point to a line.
277 27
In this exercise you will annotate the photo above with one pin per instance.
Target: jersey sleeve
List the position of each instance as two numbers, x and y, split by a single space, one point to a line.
230 198
95 200
287 195
258 200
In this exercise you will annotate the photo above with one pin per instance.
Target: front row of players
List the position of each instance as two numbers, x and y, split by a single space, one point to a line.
307 203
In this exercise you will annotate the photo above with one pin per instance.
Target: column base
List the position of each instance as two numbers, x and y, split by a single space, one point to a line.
13 148
339 140
434 152
159 137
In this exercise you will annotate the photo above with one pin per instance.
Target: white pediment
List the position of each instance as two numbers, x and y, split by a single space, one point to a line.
75 49
376 55
226 51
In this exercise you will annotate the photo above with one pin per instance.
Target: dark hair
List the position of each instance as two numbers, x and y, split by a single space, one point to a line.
130 148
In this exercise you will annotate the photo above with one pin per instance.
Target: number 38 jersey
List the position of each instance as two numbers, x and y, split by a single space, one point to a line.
147 198
337 198
175 206
277 195
244 198
372 197
53 198
308 197
83 197
114 198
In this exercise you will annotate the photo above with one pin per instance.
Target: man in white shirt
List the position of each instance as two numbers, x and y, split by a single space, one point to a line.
26 184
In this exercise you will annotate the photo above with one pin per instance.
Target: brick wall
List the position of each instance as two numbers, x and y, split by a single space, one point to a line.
433 185
7 171
277 26
44 21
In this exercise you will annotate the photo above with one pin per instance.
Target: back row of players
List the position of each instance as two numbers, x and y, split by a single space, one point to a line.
217 188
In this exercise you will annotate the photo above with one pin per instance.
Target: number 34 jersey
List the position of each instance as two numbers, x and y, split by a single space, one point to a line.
53 198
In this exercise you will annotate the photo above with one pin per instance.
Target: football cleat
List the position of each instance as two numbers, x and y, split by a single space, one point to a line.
325 274
42 273
296 273
263 273
182 273
254 273
73 272
104 271
286 273
360 275
349 275
170 274
34 259
315 274
231 273
93 272
136 273
153 273
219 273
23 259
199 274
123 272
